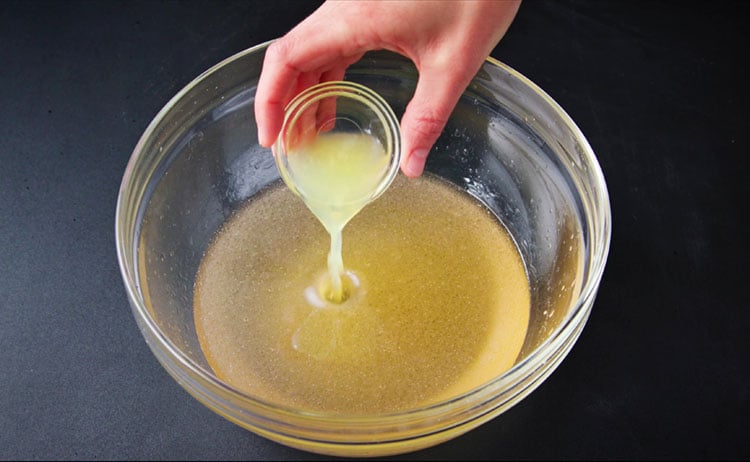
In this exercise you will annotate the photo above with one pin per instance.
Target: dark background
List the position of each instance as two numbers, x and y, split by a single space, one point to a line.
660 91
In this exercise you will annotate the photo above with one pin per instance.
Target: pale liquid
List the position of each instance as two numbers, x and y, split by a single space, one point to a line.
440 301
335 175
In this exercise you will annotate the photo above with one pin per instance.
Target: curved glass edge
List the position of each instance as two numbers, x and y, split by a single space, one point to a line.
128 196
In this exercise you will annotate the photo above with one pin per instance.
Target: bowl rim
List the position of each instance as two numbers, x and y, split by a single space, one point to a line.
576 316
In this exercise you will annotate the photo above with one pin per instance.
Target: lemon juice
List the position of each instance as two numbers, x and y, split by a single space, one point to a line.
336 175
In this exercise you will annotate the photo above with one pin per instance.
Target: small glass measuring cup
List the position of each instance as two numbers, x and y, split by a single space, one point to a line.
325 111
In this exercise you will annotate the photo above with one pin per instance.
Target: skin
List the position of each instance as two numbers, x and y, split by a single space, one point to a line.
447 40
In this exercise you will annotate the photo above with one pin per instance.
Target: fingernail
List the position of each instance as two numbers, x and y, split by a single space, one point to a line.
415 162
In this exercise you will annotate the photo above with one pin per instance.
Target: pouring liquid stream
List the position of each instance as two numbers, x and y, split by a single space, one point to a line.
336 175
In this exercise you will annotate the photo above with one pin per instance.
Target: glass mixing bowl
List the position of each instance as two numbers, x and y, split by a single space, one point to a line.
507 143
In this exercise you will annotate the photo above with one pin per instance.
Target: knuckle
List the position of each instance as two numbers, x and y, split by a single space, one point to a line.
280 49
428 125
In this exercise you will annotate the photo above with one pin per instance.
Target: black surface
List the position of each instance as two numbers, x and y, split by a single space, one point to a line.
660 91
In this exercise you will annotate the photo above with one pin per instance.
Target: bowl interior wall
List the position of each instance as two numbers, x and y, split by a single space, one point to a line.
501 144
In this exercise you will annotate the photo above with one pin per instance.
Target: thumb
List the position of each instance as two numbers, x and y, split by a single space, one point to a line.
426 115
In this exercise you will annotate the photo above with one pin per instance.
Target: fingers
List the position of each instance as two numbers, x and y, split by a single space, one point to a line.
425 117
453 42
274 86
318 49
326 114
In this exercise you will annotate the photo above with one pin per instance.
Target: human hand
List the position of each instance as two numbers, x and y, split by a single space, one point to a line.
447 41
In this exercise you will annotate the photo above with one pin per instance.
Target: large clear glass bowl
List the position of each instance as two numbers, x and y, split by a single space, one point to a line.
507 143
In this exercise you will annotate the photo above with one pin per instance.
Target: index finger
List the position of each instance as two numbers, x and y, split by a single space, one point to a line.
271 96
297 61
